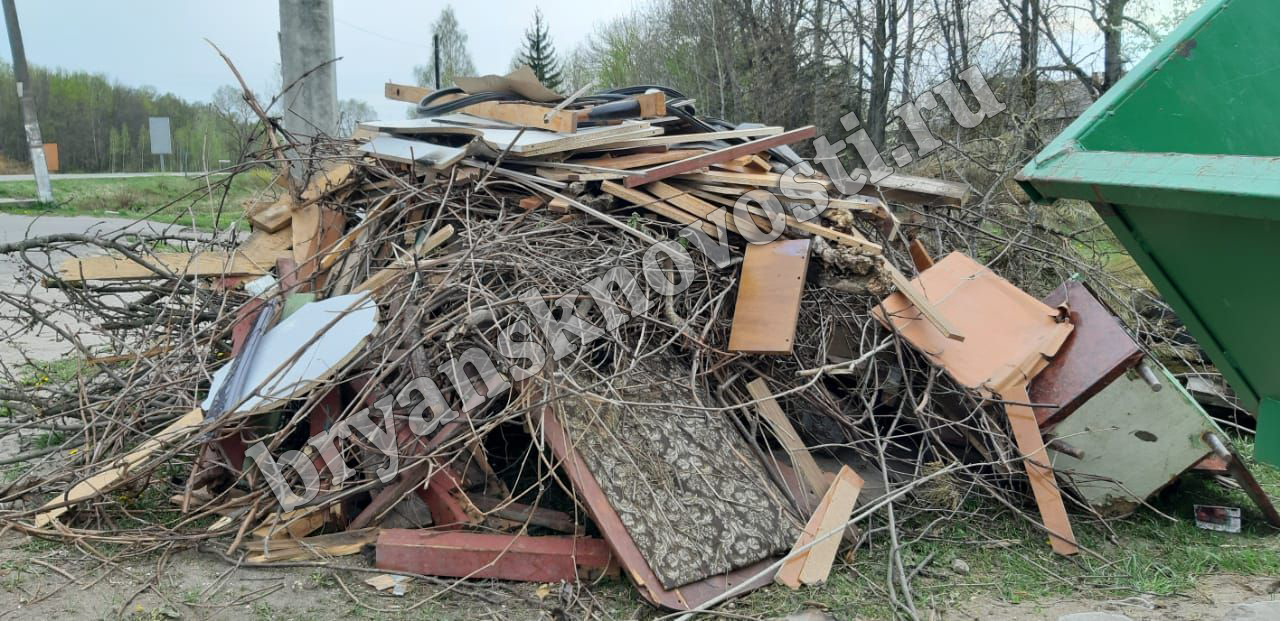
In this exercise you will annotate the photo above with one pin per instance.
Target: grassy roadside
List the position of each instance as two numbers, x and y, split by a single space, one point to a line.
165 199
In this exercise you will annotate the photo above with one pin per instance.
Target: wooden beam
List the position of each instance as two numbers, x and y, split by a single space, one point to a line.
179 263
721 155
406 93
275 217
491 555
525 115
640 199
921 302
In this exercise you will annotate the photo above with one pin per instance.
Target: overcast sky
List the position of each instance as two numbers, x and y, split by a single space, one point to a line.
160 43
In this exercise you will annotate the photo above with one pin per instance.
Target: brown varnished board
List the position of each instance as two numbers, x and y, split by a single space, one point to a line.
1098 351
764 317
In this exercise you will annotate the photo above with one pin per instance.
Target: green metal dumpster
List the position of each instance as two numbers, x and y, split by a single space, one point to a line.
1181 158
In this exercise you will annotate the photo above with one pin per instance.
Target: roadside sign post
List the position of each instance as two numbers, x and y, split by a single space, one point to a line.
161 139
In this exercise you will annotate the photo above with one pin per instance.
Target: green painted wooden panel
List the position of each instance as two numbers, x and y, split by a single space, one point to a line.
1135 441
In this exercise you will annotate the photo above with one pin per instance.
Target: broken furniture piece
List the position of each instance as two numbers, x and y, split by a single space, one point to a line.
1122 426
1009 337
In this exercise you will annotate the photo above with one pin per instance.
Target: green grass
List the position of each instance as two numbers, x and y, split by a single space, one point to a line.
1010 561
145 197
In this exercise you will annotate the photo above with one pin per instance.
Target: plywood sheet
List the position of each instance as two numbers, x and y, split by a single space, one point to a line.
764 317
1003 326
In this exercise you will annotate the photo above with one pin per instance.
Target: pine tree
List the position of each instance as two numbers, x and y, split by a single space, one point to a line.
539 54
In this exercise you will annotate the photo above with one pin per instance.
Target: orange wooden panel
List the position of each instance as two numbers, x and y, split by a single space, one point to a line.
764 318
51 156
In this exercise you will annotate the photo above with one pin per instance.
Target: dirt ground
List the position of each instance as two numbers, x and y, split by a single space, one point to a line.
40 580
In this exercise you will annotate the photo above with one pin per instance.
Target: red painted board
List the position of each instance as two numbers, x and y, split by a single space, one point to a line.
459 554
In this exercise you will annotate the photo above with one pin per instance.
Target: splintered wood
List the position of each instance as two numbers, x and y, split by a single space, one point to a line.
809 562
764 317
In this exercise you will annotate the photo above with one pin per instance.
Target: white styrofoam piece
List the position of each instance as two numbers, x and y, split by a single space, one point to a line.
275 376
1140 438
408 151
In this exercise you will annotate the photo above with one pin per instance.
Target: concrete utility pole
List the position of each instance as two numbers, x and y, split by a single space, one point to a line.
306 42
44 192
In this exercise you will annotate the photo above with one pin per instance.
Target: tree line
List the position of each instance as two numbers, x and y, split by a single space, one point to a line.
101 126
800 62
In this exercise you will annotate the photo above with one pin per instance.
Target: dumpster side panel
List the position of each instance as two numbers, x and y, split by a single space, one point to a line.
1212 92
1219 277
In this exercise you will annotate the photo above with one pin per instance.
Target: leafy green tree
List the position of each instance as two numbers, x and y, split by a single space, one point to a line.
539 54
455 58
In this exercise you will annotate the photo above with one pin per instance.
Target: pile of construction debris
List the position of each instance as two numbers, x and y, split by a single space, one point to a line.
530 337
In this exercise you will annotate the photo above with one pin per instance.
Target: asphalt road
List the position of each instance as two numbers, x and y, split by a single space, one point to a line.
119 175
17 342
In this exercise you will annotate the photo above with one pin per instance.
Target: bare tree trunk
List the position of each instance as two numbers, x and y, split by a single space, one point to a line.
1028 61
1112 32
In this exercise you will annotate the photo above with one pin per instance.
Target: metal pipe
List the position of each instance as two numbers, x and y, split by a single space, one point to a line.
1149 376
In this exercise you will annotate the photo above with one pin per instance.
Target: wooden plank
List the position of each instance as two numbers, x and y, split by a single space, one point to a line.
853 240
789 574
919 255
294 524
1026 433
406 93
844 494
179 263
671 139
698 207
275 217
899 187
768 306
110 477
262 242
639 160
327 181
525 115
921 302
812 480
315 229
640 199
721 155
318 546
